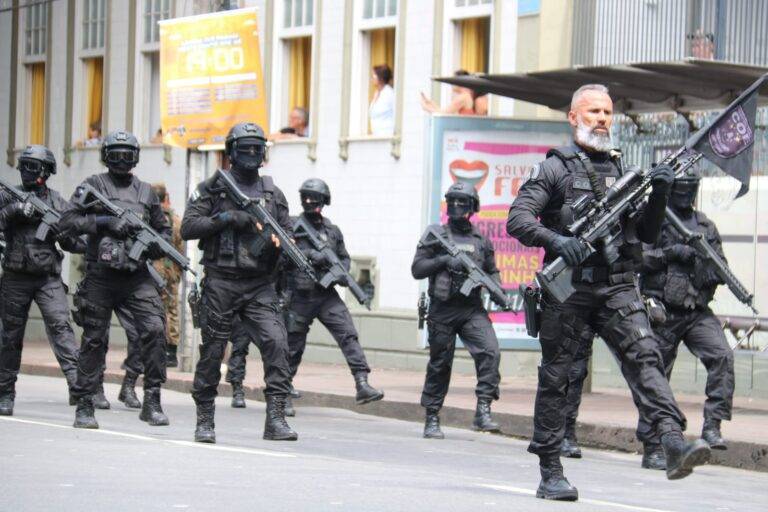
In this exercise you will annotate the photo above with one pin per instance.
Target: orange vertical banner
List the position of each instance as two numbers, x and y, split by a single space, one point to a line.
210 77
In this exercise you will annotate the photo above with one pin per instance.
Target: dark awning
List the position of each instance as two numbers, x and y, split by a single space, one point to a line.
681 86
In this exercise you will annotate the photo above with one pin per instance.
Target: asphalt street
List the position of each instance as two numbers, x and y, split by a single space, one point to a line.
342 461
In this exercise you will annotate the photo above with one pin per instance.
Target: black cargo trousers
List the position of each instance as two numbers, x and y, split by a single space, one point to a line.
252 302
104 291
703 335
472 324
17 291
617 314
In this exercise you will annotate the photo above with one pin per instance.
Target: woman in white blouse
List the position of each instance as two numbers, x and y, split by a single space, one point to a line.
381 113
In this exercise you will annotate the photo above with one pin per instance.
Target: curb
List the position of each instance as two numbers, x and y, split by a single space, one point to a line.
740 454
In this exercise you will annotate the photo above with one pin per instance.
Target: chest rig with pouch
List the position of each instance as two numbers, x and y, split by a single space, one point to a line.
446 284
620 252
242 249
25 253
112 253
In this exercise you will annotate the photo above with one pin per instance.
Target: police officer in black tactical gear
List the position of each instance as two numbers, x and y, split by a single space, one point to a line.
308 301
451 313
113 280
32 271
239 281
607 299
685 284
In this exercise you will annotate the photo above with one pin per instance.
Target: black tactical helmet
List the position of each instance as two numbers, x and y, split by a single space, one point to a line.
120 151
462 189
317 186
685 189
253 135
38 158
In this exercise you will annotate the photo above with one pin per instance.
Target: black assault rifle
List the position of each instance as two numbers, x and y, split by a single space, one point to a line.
269 225
475 275
49 215
336 271
143 235
600 226
707 252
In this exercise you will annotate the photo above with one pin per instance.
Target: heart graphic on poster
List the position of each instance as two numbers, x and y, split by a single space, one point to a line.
475 173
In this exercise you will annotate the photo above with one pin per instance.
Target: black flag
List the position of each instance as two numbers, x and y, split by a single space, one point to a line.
729 140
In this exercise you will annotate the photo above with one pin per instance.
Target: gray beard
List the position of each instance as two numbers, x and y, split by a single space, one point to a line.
589 139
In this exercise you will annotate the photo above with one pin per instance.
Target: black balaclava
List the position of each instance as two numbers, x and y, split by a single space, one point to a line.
246 156
33 174
683 195
460 209
312 203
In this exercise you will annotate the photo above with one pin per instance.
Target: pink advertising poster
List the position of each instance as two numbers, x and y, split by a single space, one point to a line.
496 157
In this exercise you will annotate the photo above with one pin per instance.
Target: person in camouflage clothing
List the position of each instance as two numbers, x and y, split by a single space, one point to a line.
172 275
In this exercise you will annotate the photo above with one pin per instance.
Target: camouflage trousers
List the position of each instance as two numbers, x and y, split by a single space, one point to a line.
172 320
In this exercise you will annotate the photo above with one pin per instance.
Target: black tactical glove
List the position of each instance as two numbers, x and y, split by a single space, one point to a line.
316 257
680 253
705 275
115 225
154 252
662 178
572 251
455 265
19 209
238 219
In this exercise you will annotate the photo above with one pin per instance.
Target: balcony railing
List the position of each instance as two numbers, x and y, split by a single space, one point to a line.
609 32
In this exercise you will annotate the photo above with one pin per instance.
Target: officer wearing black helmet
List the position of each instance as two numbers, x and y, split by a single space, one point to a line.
308 301
685 284
451 313
607 300
32 272
239 283
113 280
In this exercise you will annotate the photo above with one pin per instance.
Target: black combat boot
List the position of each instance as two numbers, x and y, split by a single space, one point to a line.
554 485
71 377
152 412
483 421
295 393
710 432
683 456
99 399
171 361
653 457
6 403
289 410
84 414
275 426
238 395
365 392
204 431
128 391
570 446
432 424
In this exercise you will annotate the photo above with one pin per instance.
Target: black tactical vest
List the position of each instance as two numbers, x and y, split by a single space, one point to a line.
26 254
104 250
581 184
329 233
232 250
445 285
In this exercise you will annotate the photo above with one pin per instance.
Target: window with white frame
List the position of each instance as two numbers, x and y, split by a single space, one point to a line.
33 77
154 11
94 17
373 102
148 96
36 30
292 77
468 27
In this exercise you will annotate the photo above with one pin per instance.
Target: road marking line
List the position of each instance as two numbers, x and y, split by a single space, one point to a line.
519 490
188 444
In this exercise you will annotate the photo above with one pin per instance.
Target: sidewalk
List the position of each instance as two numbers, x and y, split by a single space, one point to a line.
607 418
